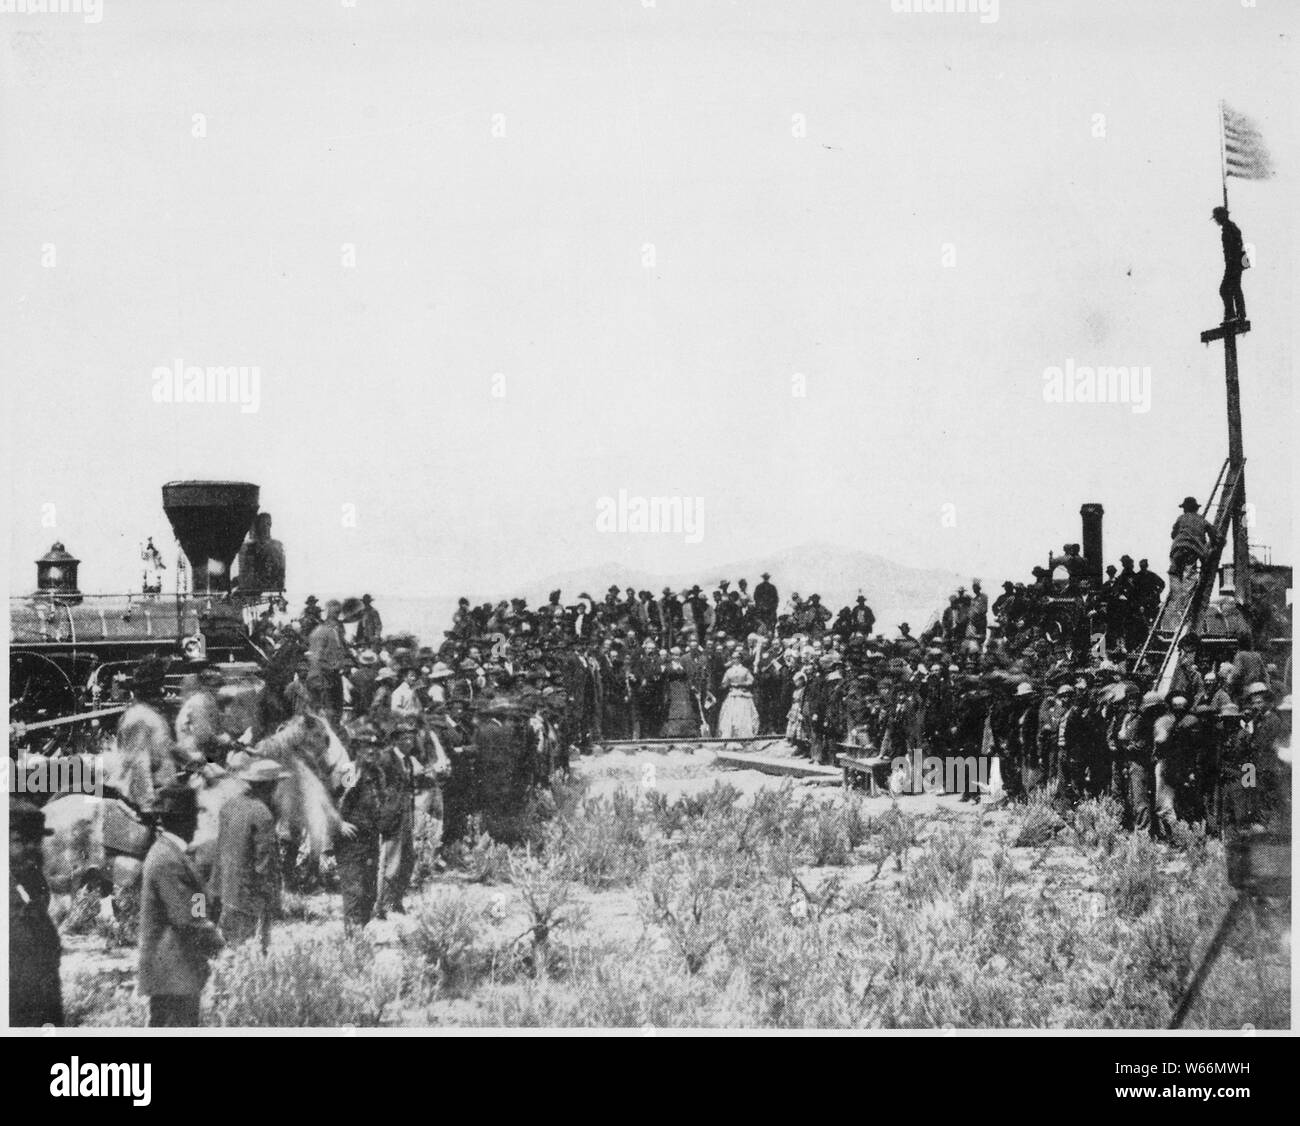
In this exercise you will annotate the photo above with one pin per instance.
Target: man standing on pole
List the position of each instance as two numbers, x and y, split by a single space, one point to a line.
1234 262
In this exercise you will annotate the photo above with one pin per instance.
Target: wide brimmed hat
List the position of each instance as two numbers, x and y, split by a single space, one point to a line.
262 770
441 671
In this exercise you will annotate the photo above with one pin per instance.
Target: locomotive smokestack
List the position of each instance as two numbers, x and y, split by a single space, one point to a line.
210 519
1092 554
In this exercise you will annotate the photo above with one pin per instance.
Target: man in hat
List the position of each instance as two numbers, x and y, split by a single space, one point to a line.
862 616
380 712
698 605
35 996
1234 262
1227 804
1084 761
1076 568
1148 588
1193 536
357 849
1248 666
1112 607
977 625
1267 733
362 677
311 614
830 715
818 615
261 559
370 626
670 610
766 600
246 873
327 655
177 937
1052 712
1187 680
406 696
398 766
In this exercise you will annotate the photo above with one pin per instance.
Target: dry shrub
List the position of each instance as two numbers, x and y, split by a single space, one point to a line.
316 980
446 926
945 864
604 844
1131 876
104 999
482 859
1099 823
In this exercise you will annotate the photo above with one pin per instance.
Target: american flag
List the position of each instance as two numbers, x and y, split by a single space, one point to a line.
1244 153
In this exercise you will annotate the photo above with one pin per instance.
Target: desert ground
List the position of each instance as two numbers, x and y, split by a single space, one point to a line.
661 889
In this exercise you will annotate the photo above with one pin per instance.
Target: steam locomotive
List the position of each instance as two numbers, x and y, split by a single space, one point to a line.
72 656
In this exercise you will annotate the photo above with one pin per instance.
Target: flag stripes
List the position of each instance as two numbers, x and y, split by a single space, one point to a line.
1244 153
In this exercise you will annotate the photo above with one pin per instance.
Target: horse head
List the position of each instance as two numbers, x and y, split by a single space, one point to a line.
309 751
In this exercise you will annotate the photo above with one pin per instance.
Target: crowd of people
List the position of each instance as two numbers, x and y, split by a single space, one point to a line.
1045 689
1047 680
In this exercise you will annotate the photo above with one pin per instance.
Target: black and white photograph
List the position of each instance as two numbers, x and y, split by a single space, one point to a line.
651 517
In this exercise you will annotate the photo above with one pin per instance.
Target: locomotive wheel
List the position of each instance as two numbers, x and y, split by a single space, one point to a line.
41 689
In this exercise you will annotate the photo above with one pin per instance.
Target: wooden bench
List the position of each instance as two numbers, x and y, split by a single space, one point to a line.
857 765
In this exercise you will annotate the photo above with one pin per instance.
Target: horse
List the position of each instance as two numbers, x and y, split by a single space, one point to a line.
101 840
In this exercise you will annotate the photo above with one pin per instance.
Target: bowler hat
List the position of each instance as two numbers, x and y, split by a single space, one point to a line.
1190 504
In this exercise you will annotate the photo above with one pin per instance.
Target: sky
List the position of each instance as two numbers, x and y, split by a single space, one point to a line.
495 261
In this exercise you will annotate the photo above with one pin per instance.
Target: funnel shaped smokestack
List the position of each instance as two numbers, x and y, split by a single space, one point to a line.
1092 514
210 519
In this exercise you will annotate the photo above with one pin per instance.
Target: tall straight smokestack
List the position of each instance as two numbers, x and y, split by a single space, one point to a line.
1092 554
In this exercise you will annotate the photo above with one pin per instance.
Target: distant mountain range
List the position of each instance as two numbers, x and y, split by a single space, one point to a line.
894 592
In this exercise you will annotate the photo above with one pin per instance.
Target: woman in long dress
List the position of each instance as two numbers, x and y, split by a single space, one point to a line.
681 707
798 731
739 717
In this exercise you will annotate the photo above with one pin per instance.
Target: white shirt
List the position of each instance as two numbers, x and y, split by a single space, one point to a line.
405 701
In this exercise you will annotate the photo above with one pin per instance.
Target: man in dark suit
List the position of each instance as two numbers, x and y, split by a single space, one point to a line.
246 876
176 936
766 601
370 626
361 809
35 996
1234 261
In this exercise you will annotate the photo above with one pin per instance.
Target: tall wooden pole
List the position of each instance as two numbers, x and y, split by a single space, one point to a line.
1228 333
1237 468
